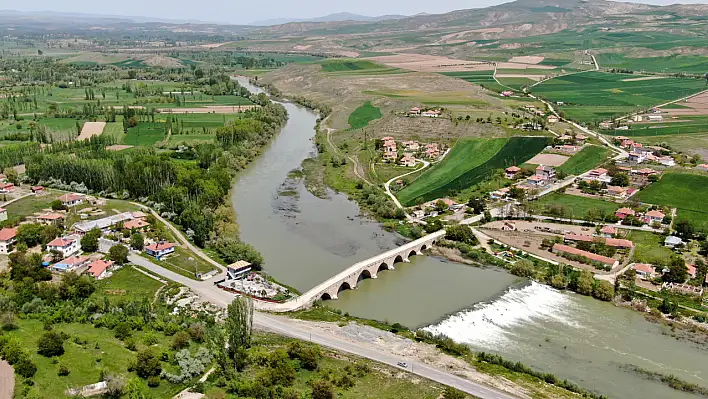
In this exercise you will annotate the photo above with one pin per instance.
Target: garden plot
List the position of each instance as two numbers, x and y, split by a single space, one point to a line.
91 129
548 159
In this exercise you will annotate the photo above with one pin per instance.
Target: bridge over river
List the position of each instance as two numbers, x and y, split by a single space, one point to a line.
348 278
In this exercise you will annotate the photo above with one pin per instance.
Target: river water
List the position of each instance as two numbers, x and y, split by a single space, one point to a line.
305 239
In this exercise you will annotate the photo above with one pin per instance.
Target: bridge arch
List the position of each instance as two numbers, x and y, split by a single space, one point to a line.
413 253
398 259
364 275
326 297
345 286
383 266
423 247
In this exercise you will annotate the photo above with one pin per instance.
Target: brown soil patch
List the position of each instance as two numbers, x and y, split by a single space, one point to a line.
697 106
7 380
214 45
430 63
548 159
519 75
91 129
350 54
162 61
118 147
302 47
527 59
517 65
643 78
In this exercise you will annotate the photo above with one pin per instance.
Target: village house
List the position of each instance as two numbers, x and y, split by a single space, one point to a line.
580 139
608 231
69 264
67 246
624 212
605 125
407 160
644 271
653 216
139 215
389 145
434 113
536 180
6 188
691 269
3 214
612 242
37 189
50 218
72 199
552 119
7 240
419 214
667 161
414 111
500 194
432 150
135 224
411 146
547 173
160 249
703 167
567 149
99 268
626 143
673 242
636 157
507 93
599 174
390 156
512 171
560 248
103 224
565 138
655 118
617 192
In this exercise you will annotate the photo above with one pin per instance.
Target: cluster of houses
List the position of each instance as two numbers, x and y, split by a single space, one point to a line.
651 217
542 176
429 209
68 246
638 153
648 272
606 236
410 148
428 113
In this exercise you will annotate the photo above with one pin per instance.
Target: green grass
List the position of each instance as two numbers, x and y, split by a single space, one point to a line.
692 64
648 247
145 134
684 191
180 263
127 284
470 162
599 95
517 83
482 78
684 125
588 158
28 206
363 115
346 66
574 207
84 361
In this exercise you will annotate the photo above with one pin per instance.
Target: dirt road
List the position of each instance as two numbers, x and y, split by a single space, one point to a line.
7 380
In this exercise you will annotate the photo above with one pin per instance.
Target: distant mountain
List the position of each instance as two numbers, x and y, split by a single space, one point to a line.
337 17
85 17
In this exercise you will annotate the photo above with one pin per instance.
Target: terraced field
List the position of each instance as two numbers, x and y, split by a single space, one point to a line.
594 96
470 162
482 78
684 191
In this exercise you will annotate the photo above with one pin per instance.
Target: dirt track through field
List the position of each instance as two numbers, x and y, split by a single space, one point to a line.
91 129
7 380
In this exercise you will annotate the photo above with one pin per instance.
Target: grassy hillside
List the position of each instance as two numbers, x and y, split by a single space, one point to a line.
363 115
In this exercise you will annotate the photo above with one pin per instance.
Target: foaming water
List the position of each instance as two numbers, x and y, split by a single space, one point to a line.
490 324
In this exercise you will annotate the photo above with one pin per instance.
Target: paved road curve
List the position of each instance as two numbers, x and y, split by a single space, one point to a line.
284 326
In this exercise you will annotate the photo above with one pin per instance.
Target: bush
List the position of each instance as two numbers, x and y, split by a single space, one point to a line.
180 340
147 364
50 344
131 344
322 389
123 331
452 393
603 291
197 332
153 381
63 370
25 367
522 268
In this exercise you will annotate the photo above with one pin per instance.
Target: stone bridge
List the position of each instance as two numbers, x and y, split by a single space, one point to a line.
349 278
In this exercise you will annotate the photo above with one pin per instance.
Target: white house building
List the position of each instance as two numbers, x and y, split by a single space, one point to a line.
68 246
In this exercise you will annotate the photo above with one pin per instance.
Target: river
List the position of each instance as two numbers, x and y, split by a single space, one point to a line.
305 239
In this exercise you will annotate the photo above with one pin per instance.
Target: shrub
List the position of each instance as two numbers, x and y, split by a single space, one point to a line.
322 389
522 268
153 381
147 364
123 331
50 344
150 339
25 367
197 332
180 340
131 344
63 370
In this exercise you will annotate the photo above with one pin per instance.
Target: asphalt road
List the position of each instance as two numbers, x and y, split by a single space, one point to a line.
284 326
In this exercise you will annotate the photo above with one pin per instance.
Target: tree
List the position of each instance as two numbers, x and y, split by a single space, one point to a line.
322 389
440 206
585 283
89 242
433 225
620 179
136 389
123 331
461 233
137 241
452 393
559 282
239 325
685 229
12 176
517 193
118 254
603 291
50 344
477 205
522 268
678 273
147 364
701 270
668 306
58 206
180 340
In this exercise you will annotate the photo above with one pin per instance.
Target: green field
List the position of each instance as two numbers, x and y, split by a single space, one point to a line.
482 78
470 162
127 284
573 207
517 83
684 191
346 66
692 64
363 115
648 247
588 158
594 96
145 134
684 125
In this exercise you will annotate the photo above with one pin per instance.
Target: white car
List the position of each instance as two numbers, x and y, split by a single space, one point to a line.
403 364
